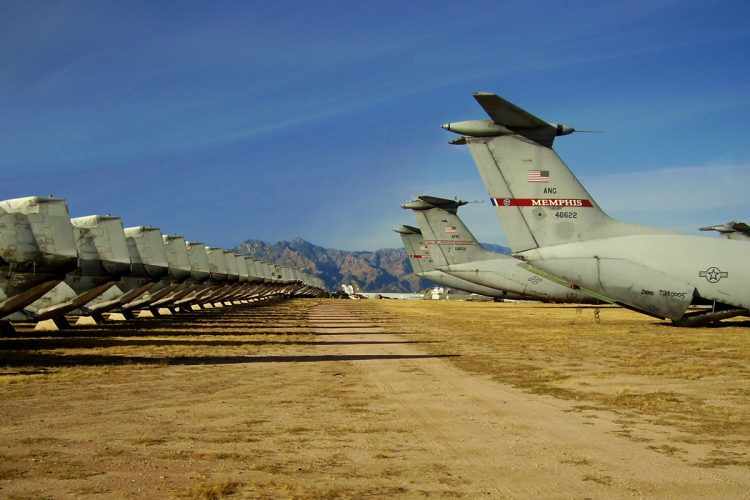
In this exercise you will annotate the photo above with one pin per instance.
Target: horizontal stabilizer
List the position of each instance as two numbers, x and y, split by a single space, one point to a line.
506 113
404 229
444 203
506 119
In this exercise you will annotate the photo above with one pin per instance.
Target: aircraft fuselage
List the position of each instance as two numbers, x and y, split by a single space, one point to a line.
657 273
509 274
445 279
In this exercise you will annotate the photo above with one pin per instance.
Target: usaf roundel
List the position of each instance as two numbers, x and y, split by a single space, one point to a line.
713 274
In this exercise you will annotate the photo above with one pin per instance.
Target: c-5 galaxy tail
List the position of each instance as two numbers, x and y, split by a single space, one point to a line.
416 250
538 199
424 266
448 236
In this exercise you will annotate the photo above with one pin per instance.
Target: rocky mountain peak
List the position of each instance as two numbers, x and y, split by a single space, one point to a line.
384 270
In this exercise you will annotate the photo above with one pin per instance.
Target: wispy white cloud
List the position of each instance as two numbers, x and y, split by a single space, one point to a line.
673 189
682 198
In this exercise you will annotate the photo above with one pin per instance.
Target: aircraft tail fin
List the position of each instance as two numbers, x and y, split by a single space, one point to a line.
539 201
437 254
419 257
450 236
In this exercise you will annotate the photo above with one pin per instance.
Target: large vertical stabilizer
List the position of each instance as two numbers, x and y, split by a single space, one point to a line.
419 257
448 235
424 266
539 201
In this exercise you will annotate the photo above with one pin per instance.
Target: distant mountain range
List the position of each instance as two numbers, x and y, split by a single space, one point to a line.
384 270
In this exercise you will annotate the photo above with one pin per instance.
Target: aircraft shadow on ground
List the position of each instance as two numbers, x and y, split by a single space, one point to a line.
565 306
196 325
721 324
214 332
15 359
98 343
219 323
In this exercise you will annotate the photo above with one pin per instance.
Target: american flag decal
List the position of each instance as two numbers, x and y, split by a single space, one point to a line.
538 176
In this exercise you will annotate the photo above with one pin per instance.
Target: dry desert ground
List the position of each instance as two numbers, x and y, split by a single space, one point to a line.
378 399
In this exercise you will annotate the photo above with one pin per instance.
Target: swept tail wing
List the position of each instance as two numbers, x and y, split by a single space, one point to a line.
506 113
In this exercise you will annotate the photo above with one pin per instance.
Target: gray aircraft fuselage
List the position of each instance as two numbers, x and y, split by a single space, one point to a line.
656 274
510 275
445 279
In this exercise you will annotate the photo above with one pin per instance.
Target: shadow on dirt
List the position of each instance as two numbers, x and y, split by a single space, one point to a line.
20 359
96 343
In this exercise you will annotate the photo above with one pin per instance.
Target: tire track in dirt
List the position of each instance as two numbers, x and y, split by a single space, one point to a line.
501 442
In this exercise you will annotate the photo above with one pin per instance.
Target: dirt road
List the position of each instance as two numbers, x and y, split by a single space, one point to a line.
304 400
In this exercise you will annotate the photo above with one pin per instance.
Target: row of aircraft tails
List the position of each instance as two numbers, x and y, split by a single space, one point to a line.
52 265
564 247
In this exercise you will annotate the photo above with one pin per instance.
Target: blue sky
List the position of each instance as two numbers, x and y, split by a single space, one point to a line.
231 120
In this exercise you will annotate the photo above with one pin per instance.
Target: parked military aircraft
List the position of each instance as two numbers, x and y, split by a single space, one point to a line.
37 250
51 265
102 260
456 251
197 285
555 226
180 272
423 266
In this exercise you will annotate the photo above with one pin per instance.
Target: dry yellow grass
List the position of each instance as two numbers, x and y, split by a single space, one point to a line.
214 491
695 380
286 402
